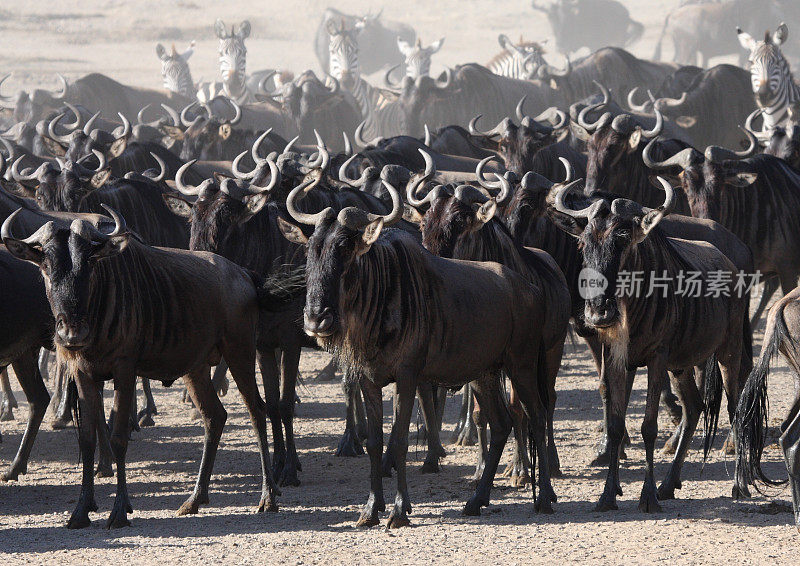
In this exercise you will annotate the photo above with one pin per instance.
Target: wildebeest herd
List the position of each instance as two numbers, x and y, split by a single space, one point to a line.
232 224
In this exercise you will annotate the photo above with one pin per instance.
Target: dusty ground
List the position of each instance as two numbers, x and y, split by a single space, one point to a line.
315 523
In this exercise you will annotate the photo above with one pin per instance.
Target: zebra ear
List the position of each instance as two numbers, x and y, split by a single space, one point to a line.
404 47
161 52
244 30
780 35
746 40
503 40
219 29
436 45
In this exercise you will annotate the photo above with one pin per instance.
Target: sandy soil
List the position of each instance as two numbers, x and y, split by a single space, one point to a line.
315 523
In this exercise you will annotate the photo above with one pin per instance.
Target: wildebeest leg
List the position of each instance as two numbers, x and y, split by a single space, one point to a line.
405 388
269 374
553 361
483 442
290 361
46 358
350 445
493 408
7 402
656 378
240 361
771 284
730 366
465 433
692 404
145 416
124 392
429 414
518 468
88 404
388 463
63 416
670 401
373 402
359 412
615 380
604 447
220 378
198 385
36 393
790 444
104 458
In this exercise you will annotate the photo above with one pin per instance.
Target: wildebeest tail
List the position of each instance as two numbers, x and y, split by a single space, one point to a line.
279 289
712 399
751 414
544 395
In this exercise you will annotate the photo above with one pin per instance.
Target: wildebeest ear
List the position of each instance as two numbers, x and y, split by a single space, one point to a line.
100 178
23 250
634 139
411 214
111 247
746 40
485 212
172 131
686 121
579 132
292 233
54 147
118 147
741 179
256 203
565 222
161 52
647 223
17 189
225 131
179 206
244 30
370 234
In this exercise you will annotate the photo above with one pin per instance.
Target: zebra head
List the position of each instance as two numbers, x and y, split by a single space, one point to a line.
418 58
232 57
769 71
175 70
343 51
520 60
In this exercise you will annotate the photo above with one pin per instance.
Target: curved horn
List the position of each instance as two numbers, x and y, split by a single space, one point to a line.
257 144
417 180
359 135
348 147
353 182
592 107
238 173
519 109
670 102
641 108
569 171
561 207
87 128
290 146
60 95
74 126
297 194
479 173
274 177
140 114
448 79
683 159
263 83
10 149
7 229
387 80
763 136
126 126
547 116
51 130
237 117
496 131
396 213
669 196
17 176
119 222
428 140
323 159
184 120
173 114
658 128
717 154
163 169
505 190
189 190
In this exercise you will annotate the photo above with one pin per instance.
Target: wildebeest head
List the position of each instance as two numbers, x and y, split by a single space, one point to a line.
67 258
233 57
204 136
608 230
530 201
782 141
416 95
337 242
705 177
221 210
80 142
175 70
768 67
612 138
30 107
518 144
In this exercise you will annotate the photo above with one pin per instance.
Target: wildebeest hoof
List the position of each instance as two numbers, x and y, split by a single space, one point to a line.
6 413
119 515
14 471
268 504
608 502
740 492
543 505
430 466
369 516
366 521
288 475
602 460
192 505
648 502
473 506
222 387
104 470
397 519
80 516
667 490
60 422
145 418
349 446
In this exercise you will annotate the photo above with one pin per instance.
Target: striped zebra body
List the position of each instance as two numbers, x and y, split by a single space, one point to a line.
517 61
773 83
175 70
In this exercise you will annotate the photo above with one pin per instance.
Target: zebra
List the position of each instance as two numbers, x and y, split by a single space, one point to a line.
175 70
343 64
773 84
418 58
233 60
524 61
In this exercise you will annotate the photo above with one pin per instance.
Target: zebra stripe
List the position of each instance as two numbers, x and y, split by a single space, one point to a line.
773 83
175 70
518 61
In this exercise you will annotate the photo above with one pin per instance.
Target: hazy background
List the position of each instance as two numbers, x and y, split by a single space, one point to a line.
118 37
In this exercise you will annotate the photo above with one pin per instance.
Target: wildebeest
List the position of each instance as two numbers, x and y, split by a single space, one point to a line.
378 300
461 223
589 23
703 30
662 330
780 337
783 141
377 37
123 308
